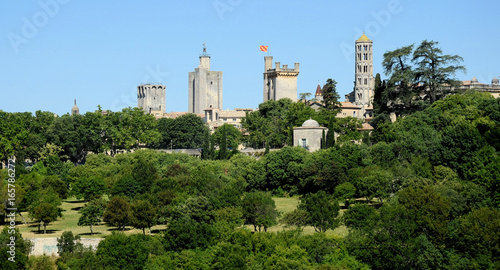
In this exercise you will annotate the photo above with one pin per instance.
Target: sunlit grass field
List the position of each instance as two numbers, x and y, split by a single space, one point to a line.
69 222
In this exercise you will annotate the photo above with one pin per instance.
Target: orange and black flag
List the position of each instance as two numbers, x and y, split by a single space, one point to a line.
263 48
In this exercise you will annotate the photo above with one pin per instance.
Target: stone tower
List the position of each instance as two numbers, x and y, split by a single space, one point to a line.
205 86
279 82
75 110
151 97
364 83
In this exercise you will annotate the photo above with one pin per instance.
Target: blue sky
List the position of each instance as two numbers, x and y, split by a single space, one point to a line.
53 51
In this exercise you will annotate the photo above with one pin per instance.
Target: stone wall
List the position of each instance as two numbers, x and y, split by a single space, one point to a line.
48 246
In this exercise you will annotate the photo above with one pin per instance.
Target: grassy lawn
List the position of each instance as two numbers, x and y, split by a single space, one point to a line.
285 205
70 218
69 222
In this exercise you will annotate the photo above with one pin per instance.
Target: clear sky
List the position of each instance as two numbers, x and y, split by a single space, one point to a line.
53 51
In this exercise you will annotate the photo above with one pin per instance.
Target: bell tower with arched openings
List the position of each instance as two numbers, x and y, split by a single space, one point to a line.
364 83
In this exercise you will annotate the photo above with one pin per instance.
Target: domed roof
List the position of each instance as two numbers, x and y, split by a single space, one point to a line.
75 109
494 81
474 79
310 123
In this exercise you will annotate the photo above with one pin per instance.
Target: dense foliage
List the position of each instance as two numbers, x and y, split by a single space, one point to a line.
422 192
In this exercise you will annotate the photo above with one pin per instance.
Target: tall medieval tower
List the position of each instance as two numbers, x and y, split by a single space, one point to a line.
205 86
280 82
364 83
151 97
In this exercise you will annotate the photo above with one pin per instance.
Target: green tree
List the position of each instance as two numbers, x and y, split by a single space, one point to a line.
89 188
271 123
346 192
304 96
297 217
66 131
67 243
434 69
360 217
13 253
43 262
323 140
205 151
373 182
117 212
259 210
184 132
143 215
44 206
45 213
284 168
331 97
233 136
97 133
323 210
478 237
119 251
400 90
330 139
223 145
144 173
347 129
92 213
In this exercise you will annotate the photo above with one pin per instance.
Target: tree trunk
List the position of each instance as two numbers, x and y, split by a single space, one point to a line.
24 221
44 228
91 232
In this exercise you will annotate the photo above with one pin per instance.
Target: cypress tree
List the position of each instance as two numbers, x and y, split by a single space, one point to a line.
330 138
223 145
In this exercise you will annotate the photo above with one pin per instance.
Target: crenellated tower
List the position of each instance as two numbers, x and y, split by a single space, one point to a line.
151 97
279 82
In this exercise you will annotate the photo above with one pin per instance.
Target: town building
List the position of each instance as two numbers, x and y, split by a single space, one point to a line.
215 118
309 135
493 88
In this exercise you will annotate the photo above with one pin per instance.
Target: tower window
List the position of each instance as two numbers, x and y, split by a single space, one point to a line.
366 81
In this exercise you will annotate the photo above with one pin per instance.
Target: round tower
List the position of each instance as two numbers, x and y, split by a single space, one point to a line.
364 83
